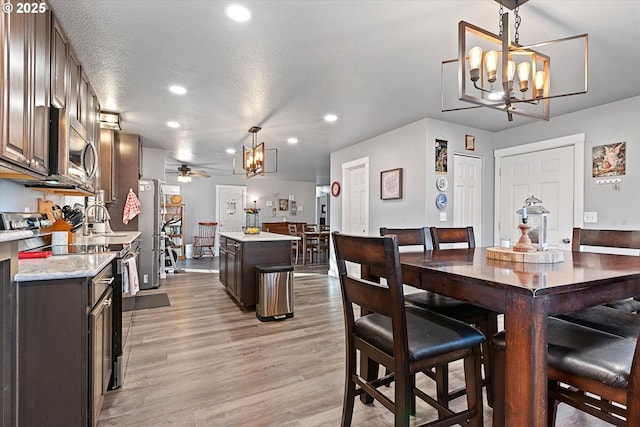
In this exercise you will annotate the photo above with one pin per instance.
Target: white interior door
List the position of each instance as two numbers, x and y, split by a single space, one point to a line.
230 204
467 194
355 219
549 176
355 205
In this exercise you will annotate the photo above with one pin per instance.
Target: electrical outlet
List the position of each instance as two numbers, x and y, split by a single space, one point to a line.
443 216
145 278
590 217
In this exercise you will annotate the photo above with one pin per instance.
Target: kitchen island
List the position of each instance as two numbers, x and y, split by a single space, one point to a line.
240 254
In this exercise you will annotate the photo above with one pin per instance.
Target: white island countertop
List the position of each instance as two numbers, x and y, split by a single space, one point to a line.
262 237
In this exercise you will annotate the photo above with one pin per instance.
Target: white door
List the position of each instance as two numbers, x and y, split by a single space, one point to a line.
467 194
355 219
549 176
355 205
230 204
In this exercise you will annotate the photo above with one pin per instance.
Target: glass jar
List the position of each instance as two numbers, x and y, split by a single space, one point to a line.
252 223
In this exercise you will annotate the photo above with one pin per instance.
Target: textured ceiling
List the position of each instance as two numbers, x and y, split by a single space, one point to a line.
376 64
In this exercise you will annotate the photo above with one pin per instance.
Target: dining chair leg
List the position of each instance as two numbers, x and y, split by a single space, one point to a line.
489 329
498 385
349 389
473 382
442 387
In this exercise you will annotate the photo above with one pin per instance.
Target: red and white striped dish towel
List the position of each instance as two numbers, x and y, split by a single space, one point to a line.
131 207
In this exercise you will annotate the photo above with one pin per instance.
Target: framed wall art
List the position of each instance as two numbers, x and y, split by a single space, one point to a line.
469 142
441 156
610 160
391 184
284 204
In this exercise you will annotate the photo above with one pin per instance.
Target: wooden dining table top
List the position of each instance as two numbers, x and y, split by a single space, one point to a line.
526 293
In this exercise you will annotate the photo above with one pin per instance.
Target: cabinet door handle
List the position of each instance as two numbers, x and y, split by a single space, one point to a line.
108 281
107 302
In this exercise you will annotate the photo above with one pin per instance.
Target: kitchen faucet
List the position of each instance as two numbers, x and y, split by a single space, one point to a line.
107 227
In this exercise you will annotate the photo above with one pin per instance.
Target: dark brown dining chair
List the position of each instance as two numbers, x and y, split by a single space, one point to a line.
595 371
485 320
602 239
295 244
405 340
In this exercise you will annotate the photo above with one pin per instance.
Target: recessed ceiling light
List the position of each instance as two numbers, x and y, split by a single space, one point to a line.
231 151
330 118
237 12
173 124
292 140
178 90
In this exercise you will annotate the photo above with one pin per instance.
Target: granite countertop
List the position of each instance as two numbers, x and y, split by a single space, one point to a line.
115 238
10 235
62 266
262 237
74 265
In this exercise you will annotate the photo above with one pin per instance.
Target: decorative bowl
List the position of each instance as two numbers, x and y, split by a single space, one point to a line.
176 199
251 230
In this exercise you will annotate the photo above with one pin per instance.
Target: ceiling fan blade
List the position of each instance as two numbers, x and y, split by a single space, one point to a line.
201 174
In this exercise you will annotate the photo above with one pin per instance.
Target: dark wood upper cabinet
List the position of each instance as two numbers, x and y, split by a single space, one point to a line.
25 64
73 89
59 51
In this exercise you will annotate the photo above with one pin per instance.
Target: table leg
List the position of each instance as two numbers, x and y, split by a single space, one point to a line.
526 361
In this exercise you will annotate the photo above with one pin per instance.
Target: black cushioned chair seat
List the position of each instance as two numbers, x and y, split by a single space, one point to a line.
606 319
445 305
587 352
428 333
628 305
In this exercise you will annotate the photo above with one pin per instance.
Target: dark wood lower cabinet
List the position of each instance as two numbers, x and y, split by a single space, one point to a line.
63 328
8 268
238 261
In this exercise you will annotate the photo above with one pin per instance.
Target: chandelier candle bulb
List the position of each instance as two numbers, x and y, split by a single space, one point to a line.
539 83
523 75
491 62
475 60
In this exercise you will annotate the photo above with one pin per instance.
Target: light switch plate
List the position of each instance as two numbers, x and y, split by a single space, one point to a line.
443 216
590 217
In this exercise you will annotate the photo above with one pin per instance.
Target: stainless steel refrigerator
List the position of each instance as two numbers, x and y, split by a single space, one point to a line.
149 224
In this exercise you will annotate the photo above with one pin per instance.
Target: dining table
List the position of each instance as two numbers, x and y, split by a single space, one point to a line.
526 293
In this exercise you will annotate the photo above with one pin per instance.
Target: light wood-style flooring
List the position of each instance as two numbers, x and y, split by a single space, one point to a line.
203 362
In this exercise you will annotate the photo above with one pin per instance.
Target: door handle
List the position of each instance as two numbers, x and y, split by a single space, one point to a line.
566 240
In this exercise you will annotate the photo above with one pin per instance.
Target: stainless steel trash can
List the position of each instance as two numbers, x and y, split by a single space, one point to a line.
275 292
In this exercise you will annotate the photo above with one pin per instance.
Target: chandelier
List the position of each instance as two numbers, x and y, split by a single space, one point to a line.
489 65
254 158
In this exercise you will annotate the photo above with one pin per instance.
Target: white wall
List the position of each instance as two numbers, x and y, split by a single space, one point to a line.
606 124
412 147
16 198
199 197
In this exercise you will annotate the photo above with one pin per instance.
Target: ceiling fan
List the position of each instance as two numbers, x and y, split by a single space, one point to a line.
185 173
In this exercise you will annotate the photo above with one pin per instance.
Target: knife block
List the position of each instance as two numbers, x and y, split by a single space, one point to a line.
61 225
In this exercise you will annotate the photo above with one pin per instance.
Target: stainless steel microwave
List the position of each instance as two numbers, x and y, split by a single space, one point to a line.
73 155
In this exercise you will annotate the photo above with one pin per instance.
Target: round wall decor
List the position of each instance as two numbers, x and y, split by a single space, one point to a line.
335 188
442 183
441 201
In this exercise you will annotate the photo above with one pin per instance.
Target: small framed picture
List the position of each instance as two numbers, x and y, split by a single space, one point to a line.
470 142
391 184
284 204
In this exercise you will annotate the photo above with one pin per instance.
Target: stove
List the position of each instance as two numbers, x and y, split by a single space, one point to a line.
24 221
